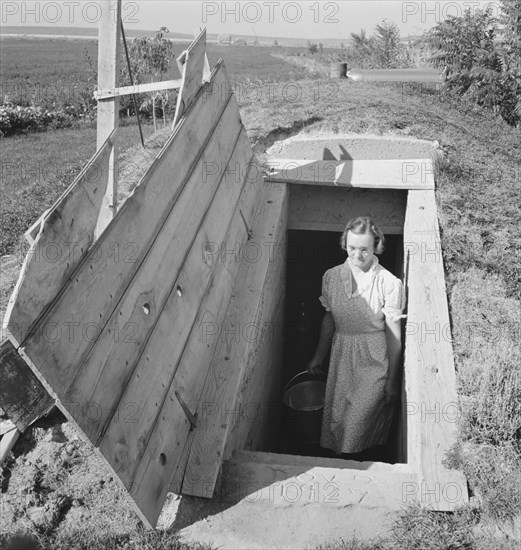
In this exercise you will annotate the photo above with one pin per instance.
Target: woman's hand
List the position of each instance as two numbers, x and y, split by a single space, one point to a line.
314 366
391 390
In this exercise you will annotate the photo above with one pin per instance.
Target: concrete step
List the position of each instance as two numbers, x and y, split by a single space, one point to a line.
262 503
261 457
297 485
261 527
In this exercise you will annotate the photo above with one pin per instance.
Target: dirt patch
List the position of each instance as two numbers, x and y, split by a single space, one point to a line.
53 483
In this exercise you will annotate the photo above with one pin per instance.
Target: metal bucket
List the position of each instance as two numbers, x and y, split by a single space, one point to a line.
303 400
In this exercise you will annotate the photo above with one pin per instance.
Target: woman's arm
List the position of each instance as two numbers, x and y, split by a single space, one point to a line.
393 333
327 329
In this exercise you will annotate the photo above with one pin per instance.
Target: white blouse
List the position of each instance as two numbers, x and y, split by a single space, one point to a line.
379 287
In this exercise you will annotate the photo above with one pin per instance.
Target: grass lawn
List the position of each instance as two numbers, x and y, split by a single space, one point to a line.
478 196
37 168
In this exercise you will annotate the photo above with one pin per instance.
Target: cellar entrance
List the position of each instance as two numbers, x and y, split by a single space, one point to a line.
309 255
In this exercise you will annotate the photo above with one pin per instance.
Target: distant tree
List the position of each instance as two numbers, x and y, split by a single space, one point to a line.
362 50
416 52
382 50
464 47
151 59
387 45
275 43
312 47
479 66
360 40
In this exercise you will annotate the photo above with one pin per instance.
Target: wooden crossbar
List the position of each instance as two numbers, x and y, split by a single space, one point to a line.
137 89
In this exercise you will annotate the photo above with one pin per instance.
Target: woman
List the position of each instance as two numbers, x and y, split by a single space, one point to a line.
364 304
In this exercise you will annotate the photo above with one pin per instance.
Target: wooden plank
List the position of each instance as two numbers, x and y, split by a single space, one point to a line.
338 227
7 443
410 384
211 316
109 55
6 426
97 289
257 409
31 234
151 480
65 233
192 71
111 363
432 401
90 297
206 69
211 319
22 396
111 93
249 304
330 208
372 174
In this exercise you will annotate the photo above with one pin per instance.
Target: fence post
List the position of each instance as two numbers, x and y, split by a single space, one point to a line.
109 44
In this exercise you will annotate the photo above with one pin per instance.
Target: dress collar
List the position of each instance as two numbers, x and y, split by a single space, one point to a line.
364 278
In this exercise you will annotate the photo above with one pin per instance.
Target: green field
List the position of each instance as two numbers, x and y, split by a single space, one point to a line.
55 64
478 195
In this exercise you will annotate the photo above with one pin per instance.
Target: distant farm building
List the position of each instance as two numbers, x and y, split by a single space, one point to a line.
224 39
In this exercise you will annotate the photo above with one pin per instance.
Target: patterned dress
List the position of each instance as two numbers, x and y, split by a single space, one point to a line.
355 415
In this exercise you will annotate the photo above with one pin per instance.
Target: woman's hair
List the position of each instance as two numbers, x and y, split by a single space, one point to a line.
361 226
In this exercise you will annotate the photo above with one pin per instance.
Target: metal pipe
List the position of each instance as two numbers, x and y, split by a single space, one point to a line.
395 75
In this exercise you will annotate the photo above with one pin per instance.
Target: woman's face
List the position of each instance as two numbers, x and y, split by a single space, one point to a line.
360 249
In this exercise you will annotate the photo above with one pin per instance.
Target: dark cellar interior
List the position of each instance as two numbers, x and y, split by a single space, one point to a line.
309 255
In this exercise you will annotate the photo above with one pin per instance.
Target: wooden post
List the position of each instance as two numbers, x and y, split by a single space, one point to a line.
109 44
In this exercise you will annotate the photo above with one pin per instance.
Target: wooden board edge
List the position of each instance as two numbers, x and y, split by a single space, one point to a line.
326 167
39 226
30 400
176 483
338 227
434 490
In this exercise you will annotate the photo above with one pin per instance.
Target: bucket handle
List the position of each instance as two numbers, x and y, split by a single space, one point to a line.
305 373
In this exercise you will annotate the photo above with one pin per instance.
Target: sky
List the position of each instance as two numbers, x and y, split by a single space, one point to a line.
311 20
